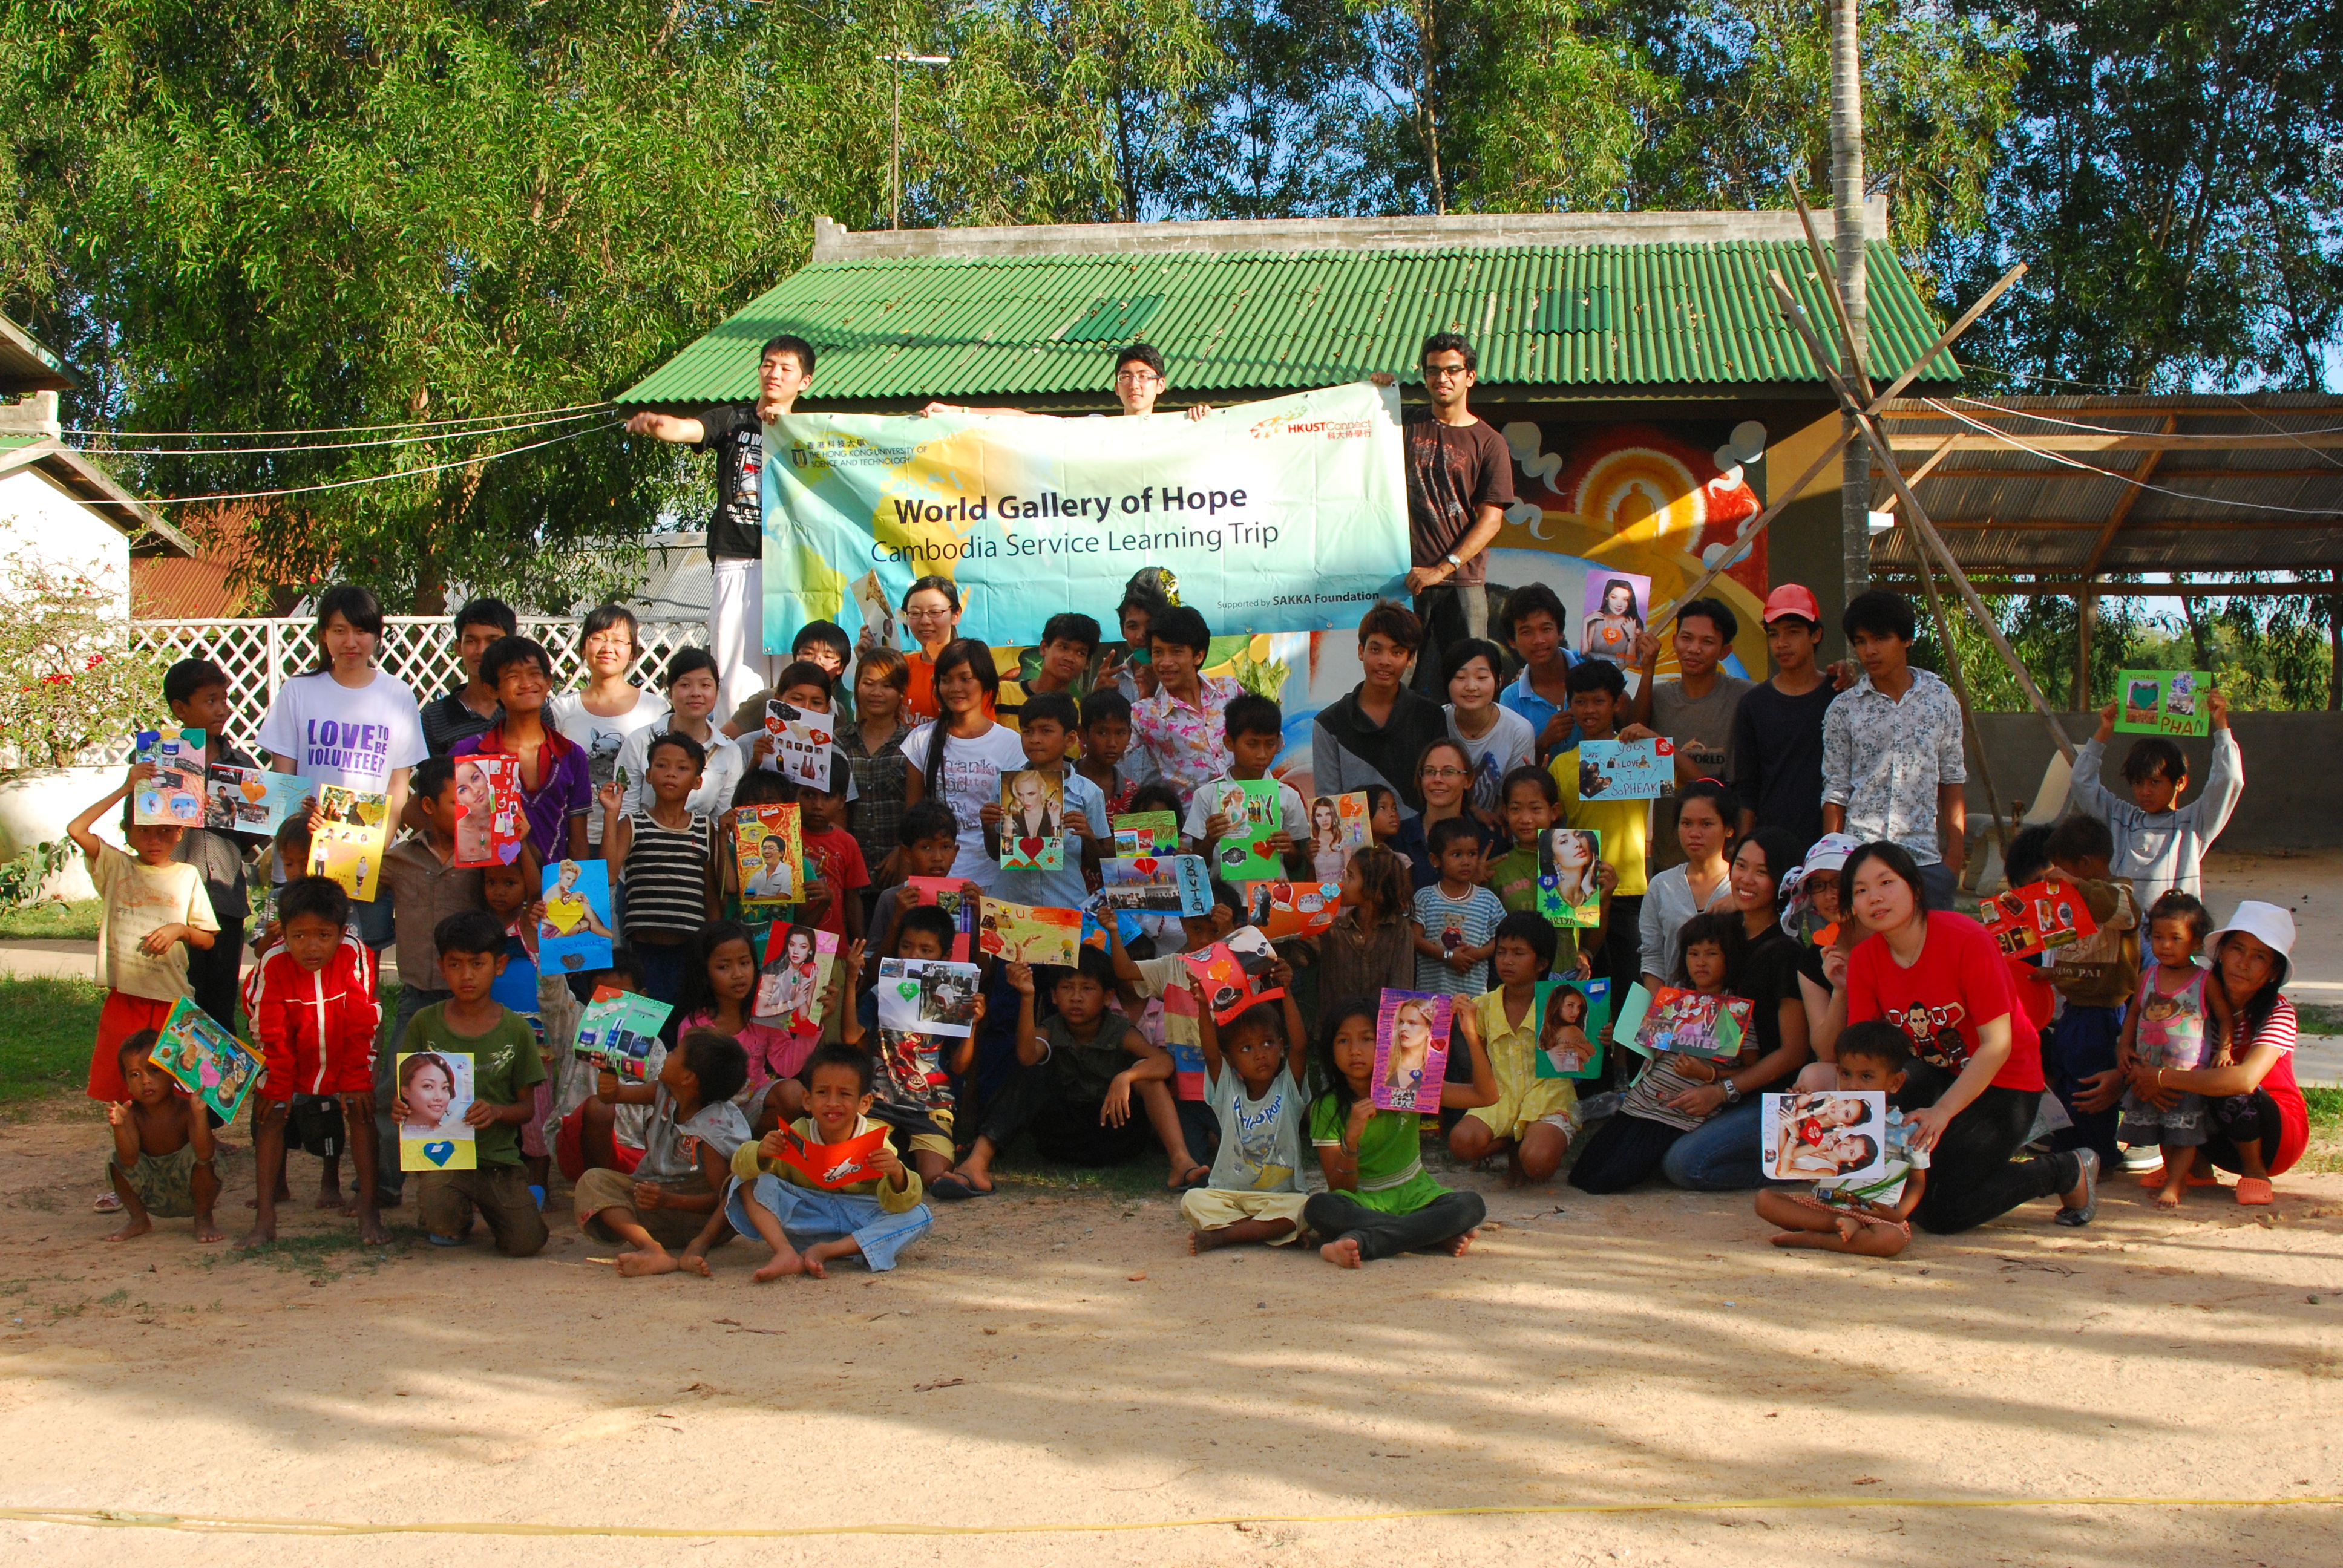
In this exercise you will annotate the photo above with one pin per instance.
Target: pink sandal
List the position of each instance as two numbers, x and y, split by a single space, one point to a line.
2253 1189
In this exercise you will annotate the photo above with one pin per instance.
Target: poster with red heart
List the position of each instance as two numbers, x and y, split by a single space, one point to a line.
955 897
1255 817
1033 820
1155 884
1284 909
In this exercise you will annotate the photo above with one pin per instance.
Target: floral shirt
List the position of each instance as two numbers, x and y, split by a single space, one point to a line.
1186 739
1883 760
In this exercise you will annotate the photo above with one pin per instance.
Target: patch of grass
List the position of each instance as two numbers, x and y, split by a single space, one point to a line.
47 1026
2325 1152
2318 1018
1021 1170
52 922
323 1256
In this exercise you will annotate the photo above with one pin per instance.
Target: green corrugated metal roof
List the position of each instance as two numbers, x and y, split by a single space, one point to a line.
1638 316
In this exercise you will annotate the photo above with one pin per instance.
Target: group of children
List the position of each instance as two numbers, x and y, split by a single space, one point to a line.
1095 1061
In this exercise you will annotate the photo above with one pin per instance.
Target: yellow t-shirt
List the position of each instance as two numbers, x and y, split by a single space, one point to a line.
140 900
1625 825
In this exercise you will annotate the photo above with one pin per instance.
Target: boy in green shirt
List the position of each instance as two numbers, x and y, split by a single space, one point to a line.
1598 696
1532 802
505 1068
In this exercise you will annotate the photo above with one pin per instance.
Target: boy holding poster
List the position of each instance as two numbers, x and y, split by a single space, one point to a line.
243 811
1533 1117
506 1069
789 1200
1870 1216
1254 1069
1598 695
162 1162
675 1196
2160 844
1045 803
1255 814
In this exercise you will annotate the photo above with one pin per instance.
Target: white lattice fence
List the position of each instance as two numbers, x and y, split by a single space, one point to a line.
259 655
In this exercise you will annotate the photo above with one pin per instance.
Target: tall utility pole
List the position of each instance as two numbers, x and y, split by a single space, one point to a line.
1846 204
899 59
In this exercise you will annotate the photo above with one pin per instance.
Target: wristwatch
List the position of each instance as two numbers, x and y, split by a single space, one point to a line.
1732 1092
1454 562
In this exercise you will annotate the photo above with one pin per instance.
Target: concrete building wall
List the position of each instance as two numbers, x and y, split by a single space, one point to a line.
2292 761
40 522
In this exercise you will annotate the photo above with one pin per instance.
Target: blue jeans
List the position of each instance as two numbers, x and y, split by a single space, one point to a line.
1720 1155
1937 886
2080 1041
808 1217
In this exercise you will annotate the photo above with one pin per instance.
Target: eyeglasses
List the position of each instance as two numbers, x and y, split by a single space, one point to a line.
1440 372
926 614
1446 773
1137 375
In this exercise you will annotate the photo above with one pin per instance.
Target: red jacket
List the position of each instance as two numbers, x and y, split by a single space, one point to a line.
334 1011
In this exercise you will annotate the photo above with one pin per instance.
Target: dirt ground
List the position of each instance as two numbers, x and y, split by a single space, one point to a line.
1054 1360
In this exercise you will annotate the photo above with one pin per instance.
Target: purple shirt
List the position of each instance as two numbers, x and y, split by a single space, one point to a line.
564 789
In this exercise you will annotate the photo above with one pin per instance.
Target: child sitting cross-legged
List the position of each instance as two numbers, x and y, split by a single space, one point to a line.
1532 1118
315 1014
1380 1201
676 1196
913 1073
1253 1067
162 1164
1076 1077
1872 1217
777 1202
506 1070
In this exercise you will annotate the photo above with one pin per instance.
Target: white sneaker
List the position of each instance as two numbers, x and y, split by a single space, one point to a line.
2139 1158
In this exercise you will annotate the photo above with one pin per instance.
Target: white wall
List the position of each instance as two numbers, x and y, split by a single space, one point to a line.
39 521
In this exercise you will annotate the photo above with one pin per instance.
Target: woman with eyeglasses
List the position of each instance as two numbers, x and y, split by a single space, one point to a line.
931 615
1444 773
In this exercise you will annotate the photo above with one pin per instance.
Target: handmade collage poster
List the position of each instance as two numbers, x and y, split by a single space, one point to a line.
927 996
2040 916
575 934
1655 1022
1033 819
1232 973
348 845
1827 1135
1616 605
795 977
619 1029
769 848
955 897
1412 1049
252 799
174 796
830 1166
1338 831
801 741
1028 933
1569 861
1282 910
435 1091
206 1060
489 826
1254 816
1627 769
2162 702
1572 1015
1155 885
1146 833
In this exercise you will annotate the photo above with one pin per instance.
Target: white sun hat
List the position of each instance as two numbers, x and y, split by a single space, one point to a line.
2268 924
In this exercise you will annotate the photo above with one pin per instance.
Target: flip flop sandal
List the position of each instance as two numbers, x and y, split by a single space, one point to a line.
2089 1160
2253 1190
108 1202
1198 1176
953 1187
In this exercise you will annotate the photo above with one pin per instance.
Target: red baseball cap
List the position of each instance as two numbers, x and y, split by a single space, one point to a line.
1792 599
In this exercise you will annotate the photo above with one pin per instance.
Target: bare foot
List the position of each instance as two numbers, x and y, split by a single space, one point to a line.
822 1252
2169 1199
372 1232
1342 1251
1457 1246
640 1265
693 1263
785 1262
1202 1241
208 1229
138 1227
1788 1238
1515 1174
1179 1179
259 1235
331 1198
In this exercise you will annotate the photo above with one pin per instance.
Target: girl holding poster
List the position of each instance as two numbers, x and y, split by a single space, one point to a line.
1380 1199
959 758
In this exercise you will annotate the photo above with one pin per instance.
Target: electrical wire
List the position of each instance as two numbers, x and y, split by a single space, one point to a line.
328 445
2060 458
379 478
2112 430
126 1519
2248 409
341 429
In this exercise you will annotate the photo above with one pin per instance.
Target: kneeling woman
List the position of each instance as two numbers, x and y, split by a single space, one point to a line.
1970 1096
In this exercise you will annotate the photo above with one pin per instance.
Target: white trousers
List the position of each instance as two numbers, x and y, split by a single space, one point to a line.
736 631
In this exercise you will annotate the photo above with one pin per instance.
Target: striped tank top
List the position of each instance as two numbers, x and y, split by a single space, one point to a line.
666 877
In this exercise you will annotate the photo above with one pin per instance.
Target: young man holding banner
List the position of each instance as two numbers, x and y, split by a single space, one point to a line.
1139 381
735 432
1460 480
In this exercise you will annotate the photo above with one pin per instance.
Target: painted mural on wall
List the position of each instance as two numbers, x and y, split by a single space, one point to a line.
1635 501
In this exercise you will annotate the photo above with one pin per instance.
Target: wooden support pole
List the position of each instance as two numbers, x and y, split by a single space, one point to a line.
1960 685
1917 517
2087 615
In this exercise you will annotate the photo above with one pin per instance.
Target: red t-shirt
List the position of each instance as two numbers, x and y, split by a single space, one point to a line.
836 860
1960 982
2037 997
2294 1116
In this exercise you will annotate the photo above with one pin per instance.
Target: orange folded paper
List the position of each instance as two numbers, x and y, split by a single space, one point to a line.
832 1165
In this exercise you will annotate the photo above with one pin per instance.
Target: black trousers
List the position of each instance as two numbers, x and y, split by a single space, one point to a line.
1971 1176
1333 1215
1623 1152
2242 1119
214 972
1066 1132
1441 608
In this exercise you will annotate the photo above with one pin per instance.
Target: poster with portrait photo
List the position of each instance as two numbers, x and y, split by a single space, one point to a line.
435 1091
1338 831
1570 862
927 996
1614 614
1033 819
1827 1135
1572 1015
1412 1049
794 978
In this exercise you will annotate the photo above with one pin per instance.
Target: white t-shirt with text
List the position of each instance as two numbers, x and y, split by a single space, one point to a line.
356 737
